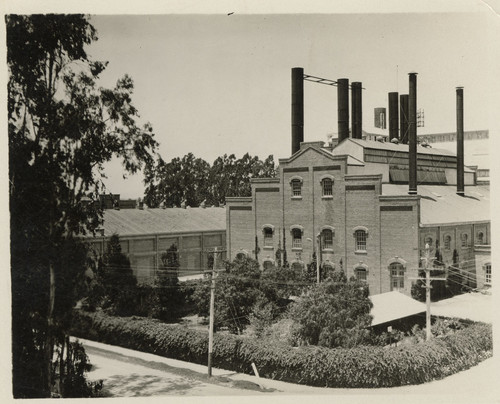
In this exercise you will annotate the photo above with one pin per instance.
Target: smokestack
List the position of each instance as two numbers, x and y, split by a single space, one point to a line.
356 110
393 116
403 118
297 108
412 133
460 141
343 108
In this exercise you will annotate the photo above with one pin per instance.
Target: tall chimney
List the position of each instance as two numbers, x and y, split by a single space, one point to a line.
460 141
412 133
403 118
393 116
343 108
297 108
356 110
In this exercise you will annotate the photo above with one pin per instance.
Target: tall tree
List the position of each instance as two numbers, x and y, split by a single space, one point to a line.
62 129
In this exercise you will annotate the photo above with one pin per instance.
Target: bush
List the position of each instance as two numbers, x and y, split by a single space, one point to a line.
348 368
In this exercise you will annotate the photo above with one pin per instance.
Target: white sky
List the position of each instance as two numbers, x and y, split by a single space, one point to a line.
216 83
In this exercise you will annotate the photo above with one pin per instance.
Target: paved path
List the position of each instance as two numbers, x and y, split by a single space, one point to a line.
131 373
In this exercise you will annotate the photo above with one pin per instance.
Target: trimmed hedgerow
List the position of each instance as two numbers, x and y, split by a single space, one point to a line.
355 367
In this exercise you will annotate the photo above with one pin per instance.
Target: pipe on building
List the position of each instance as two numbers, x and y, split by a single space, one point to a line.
393 116
460 141
297 108
343 108
403 118
356 110
412 133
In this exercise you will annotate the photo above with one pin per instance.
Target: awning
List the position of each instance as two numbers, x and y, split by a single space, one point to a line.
392 306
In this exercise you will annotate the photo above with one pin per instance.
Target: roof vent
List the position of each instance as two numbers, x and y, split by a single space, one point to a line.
395 140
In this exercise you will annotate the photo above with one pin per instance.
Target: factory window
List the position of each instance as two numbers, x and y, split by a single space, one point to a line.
297 265
296 238
360 273
465 240
487 274
327 241
480 238
268 264
296 185
397 272
268 236
327 185
447 242
360 236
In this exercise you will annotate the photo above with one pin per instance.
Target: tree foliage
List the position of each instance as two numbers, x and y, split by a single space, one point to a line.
192 180
62 128
334 313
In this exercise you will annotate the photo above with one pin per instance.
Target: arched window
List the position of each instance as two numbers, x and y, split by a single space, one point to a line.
397 272
268 236
268 264
327 239
241 254
360 273
447 242
296 238
465 240
428 240
297 265
296 185
480 238
360 240
327 186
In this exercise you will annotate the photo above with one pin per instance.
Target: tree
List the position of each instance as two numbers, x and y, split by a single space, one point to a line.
335 313
237 290
167 290
62 129
118 279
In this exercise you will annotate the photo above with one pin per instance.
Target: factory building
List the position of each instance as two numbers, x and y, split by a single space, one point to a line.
364 206
145 234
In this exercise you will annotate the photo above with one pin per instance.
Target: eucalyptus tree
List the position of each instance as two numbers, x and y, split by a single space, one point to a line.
62 128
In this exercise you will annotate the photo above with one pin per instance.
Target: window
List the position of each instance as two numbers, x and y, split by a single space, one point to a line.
296 187
268 264
465 240
480 238
268 237
327 242
361 274
296 238
241 254
297 265
487 274
360 236
428 240
447 242
397 272
327 184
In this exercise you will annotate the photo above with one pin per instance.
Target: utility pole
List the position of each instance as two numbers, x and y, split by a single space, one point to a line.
427 258
212 305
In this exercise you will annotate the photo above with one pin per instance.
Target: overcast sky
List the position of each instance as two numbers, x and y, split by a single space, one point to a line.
219 83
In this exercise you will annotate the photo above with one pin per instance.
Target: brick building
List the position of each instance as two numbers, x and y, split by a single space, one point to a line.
145 234
351 205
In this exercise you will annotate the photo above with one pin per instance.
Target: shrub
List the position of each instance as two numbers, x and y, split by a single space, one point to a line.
349 368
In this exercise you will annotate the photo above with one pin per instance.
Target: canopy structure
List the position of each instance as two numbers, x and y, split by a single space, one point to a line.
393 306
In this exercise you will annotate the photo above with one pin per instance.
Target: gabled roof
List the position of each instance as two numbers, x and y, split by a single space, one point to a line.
128 222
310 146
440 204
392 306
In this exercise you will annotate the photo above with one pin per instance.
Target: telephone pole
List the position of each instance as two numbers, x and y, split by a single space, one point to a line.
427 258
212 305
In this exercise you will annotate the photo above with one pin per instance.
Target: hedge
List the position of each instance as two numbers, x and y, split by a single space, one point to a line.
347 368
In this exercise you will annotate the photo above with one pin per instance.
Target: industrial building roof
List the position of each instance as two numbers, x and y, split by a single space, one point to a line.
128 222
440 204
371 144
392 306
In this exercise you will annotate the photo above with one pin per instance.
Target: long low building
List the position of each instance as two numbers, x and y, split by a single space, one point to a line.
145 234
